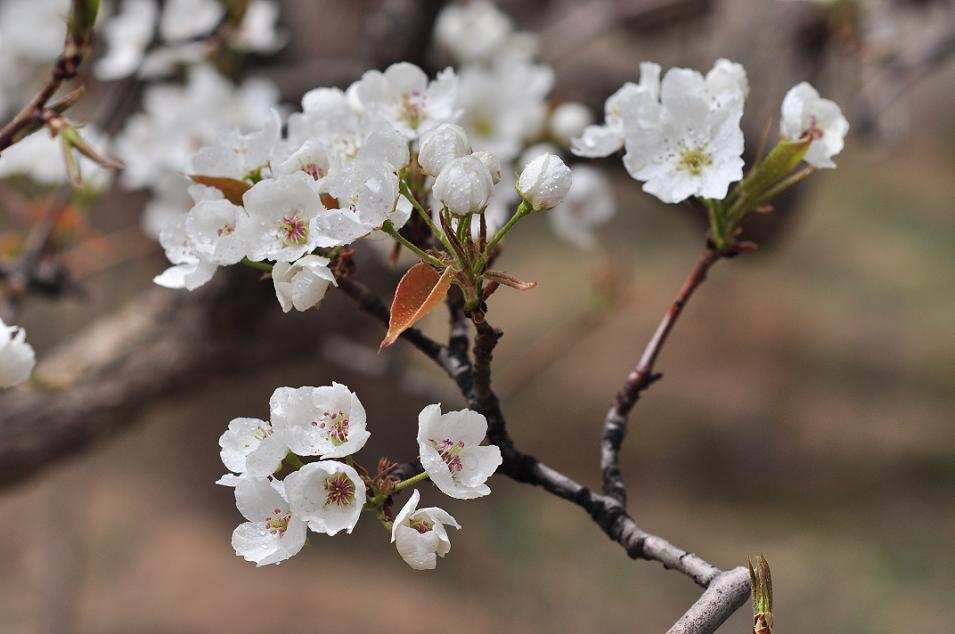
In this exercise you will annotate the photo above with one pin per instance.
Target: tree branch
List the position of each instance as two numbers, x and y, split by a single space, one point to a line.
725 591
639 379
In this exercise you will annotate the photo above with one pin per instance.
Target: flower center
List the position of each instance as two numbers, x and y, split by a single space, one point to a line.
293 230
263 432
422 525
694 160
335 424
812 132
483 125
339 490
277 522
450 453
313 170
225 230
411 109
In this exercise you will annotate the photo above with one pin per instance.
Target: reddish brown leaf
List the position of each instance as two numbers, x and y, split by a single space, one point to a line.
418 293
231 188
509 280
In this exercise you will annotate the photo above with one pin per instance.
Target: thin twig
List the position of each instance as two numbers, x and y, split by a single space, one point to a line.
639 379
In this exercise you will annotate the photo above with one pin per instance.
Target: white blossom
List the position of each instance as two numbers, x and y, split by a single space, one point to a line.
327 421
451 452
464 186
127 35
688 144
807 115
328 495
440 146
274 531
588 205
303 283
473 31
544 182
492 163
236 155
187 19
603 140
188 270
259 31
419 534
568 121
16 355
215 229
283 216
252 447
403 96
504 105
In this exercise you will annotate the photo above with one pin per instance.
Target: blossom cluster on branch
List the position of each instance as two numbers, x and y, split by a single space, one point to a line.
328 495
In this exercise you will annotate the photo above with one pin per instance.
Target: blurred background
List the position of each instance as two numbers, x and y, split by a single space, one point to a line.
806 410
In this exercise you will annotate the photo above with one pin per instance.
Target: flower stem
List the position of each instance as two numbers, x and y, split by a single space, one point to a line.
262 266
404 484
389 228
522 210
409 195
293 461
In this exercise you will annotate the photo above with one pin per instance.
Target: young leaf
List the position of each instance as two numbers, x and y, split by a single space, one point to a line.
231 188
507 279
418 293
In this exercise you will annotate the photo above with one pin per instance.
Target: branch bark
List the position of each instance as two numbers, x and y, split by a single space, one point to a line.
640 378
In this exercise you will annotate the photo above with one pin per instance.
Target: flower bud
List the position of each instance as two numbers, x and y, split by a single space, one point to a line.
568 121
442 145
544 182
492 164
464 186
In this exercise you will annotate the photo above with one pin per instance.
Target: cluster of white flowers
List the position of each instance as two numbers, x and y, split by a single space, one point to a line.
503 100
682 135
16 356
179 25
328 495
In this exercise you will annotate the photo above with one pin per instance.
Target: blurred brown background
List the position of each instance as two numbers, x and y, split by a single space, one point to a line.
806 410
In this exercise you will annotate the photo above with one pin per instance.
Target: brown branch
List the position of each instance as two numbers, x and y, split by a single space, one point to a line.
66 67
639 379
725 591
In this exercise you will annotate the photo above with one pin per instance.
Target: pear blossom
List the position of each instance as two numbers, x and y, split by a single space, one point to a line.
727 79
273 532
215 231
451 452
403 96
312 157
464 186
688 144
127 34
440 146
236 155
176 120
504 105
807 115
328 495
258 31
588 205
568 121
544 182
419 534
473 32
186 19
302 284
626 103
188 270
492 163
16 355
327 421
252 447
282 218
